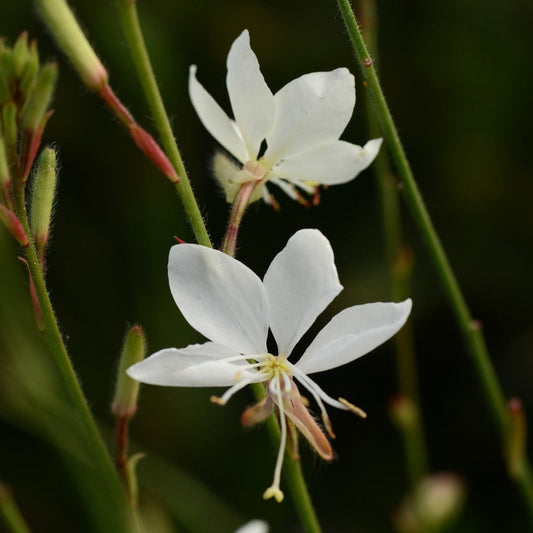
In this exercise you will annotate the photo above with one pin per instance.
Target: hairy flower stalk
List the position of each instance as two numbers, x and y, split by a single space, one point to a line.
300 126
240 204
226 302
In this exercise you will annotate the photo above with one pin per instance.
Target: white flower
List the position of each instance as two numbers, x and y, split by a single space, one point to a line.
254 526
301 125
226 302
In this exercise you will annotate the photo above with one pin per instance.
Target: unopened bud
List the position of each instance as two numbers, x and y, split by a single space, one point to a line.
42 199
5 59
71 39
152 150
5 177
40 98
403 412
21 55
126 391
12 223
434 504
30 72
515 450
9 122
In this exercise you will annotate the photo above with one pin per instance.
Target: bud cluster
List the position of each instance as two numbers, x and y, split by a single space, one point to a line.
26 89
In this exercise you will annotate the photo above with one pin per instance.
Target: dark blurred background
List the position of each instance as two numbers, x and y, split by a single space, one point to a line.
459 79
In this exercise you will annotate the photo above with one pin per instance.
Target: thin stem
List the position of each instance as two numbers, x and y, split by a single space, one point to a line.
470 329
292 473
132 29
101 457
121 443
10 514
400 269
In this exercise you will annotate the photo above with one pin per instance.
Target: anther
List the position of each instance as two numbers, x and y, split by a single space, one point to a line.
351 407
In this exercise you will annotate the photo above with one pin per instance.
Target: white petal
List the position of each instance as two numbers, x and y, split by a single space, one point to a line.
310 111
251 99
220 297
197 365
215 120
254 526
300 283
329 164
353 333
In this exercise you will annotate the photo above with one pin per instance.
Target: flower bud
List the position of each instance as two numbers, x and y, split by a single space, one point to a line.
71 39
5 59
12 223
515 450
43 198
32 68
40 98
9 123
126 391
403 412
21 55
5 177
436 501
152 150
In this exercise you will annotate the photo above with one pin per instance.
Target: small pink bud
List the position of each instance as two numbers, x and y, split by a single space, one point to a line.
147 144
12 223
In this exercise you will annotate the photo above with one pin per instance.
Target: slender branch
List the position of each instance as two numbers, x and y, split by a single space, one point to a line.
470 328
132 29
400 268
101 457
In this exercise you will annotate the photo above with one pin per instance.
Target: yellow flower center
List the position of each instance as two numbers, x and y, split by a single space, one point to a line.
275 366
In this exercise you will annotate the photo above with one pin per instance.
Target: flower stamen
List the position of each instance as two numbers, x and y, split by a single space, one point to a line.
274 491
222 400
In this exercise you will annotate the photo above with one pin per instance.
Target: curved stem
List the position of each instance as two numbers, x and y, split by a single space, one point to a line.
132 29
400 269
101 457
470 328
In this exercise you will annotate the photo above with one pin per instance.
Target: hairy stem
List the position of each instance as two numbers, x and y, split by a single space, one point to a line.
102 459
400 267
470 328
132 30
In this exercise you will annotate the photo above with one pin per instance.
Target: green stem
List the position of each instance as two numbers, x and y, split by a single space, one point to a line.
292 473
132 29
101 457
10 513
400 269
470 329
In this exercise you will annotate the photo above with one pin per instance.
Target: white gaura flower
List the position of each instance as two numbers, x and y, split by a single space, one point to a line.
254 526
227 303
300 124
